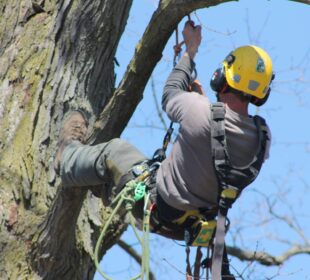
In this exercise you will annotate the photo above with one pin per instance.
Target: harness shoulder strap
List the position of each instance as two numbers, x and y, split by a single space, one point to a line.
218 137
218 144
231 179
230 175
263 137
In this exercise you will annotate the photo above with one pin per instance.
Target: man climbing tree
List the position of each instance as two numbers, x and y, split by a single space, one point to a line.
218 152
56 56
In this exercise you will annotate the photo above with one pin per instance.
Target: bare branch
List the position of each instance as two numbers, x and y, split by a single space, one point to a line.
302 1
228 33
158 108
265 258
121 106
46 249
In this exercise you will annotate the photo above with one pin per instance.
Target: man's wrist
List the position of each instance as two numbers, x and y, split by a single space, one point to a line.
190 54
192 63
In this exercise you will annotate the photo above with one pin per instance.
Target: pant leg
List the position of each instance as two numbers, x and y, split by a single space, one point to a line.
83 165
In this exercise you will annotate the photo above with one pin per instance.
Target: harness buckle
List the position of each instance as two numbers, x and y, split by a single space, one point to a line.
228 197
138 169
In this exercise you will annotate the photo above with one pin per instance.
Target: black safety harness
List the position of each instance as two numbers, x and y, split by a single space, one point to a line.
207 227
200 227
231 179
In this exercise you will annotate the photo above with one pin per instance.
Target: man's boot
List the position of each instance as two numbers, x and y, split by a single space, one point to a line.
74 129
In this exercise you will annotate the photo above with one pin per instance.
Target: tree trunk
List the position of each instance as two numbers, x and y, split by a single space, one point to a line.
55 57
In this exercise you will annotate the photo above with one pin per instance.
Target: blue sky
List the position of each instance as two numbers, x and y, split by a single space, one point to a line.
282 29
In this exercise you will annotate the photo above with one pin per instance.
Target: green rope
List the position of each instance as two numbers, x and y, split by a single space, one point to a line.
129 197
103 232
145 245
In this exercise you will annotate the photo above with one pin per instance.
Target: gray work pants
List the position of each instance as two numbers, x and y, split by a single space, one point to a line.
83 165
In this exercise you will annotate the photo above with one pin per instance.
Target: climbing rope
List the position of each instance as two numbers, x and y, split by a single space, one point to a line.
133 191
177 47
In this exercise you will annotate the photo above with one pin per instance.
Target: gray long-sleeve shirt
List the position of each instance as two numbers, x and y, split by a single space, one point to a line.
186 179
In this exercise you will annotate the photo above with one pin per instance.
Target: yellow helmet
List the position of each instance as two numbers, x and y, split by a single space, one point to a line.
249 69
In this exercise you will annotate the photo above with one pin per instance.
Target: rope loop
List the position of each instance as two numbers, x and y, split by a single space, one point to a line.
126 198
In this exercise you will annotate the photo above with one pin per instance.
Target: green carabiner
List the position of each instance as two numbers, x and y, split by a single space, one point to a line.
139 191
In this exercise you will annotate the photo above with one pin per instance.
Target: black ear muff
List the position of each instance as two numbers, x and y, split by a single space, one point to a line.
218 80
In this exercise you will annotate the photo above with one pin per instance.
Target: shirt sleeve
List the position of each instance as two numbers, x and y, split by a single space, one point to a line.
176 85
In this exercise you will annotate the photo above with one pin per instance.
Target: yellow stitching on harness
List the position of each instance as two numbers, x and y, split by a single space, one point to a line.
205 233
229 193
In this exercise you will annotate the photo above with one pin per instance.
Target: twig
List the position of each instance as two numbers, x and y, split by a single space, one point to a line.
158 109
211 29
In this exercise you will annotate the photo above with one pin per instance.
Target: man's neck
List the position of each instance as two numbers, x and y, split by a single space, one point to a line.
234 103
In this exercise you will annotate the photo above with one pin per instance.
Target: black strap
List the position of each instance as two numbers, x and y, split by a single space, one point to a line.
226 275
231 178
220 263
219 244
228 174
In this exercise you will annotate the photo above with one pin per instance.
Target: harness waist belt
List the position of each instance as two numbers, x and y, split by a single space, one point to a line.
169 214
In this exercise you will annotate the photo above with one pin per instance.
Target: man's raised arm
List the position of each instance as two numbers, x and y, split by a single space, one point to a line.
180 78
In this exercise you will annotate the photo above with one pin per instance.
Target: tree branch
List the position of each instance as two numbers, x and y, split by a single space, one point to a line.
57 234
302 1
265 258
125 99
157 105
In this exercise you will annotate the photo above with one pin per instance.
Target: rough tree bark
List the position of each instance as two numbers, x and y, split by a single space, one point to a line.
56 56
